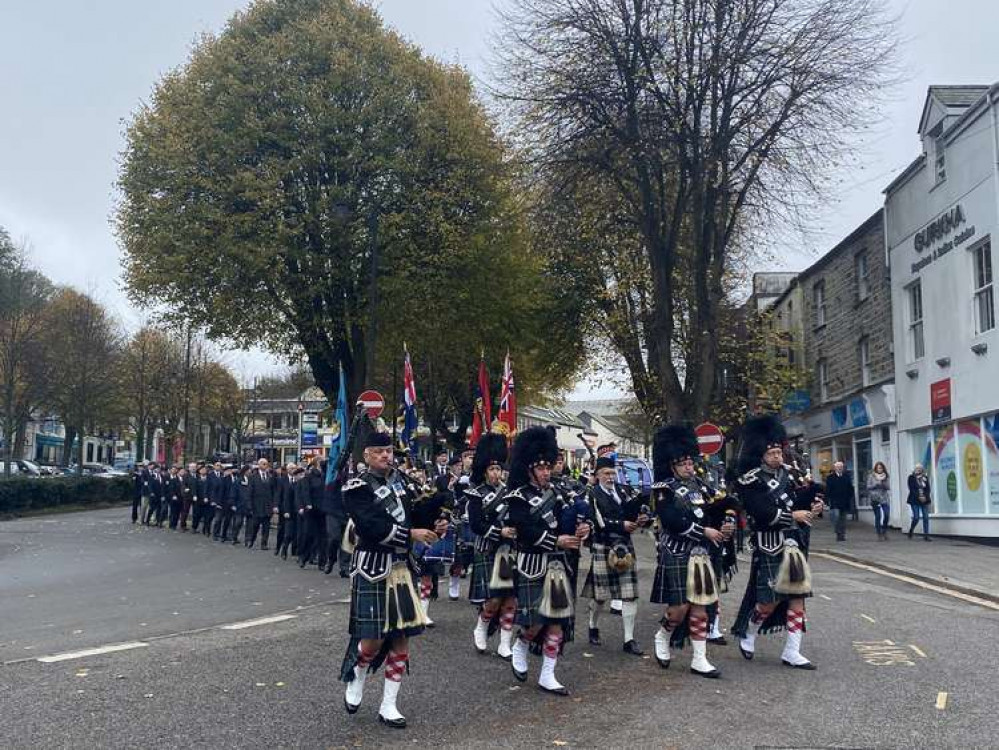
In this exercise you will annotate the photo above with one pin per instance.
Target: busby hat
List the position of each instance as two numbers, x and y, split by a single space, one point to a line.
490 451
532 447
759 434
672 443
377 439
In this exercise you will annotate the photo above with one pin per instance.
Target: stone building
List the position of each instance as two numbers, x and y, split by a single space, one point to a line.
841 308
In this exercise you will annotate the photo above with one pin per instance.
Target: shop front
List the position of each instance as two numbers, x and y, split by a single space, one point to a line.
859 432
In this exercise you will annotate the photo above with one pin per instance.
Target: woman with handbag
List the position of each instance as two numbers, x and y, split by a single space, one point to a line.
878 489
919 500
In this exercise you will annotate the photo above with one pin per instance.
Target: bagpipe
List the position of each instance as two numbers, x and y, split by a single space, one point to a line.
430 506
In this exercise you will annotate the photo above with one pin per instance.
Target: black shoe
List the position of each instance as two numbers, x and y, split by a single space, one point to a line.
909 535
719 641
264 548
595 636
518 676
328 569
344 574
664 663
714 674
276 552
394 723
615 612
807 666
632 647
747 655
350 709
284 555
561 691
926 538
301 564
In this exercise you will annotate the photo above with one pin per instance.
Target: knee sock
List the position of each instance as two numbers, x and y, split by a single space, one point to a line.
698 627
507 615
551 646
595 609
395 665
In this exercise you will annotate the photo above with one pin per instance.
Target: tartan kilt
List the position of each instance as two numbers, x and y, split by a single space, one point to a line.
604 583
368 600
670 584
482 573
529 596
766 578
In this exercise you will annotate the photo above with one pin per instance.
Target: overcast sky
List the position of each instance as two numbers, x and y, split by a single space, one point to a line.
71 72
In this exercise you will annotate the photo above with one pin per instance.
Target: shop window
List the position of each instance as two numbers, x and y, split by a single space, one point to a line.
971 467
945 469
917 346
863 277
819 303
864 354
863 465
985 310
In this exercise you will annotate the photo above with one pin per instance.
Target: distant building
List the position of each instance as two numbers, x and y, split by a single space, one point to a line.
284 430
767 287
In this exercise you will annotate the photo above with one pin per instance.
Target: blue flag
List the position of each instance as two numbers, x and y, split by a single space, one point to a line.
340 441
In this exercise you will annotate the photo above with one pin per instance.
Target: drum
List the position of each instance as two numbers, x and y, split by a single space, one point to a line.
442 550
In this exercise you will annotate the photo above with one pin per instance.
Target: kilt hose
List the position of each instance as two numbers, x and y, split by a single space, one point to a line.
604 583
482 573
670 584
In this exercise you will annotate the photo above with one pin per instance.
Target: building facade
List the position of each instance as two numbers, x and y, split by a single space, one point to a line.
836 320
940 215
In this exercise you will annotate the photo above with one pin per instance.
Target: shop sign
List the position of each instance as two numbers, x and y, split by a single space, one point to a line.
938 229
797 401
952 486
940 401
973 466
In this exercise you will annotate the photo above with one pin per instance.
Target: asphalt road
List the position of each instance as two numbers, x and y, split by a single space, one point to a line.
887 653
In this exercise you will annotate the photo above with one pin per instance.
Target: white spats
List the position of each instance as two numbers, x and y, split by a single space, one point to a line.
425 604
629 611
715 631
748 643
355 689
595 608
792 649
481 635
661 641
504 651
454 587
699 663
547 677
388 710
519 655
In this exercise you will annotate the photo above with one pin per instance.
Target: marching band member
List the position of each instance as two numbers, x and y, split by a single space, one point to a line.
384 613
493 582
617 514
685 580
780 579
544 601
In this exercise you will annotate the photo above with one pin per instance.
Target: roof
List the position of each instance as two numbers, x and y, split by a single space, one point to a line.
623 426
551 416
602 407
952 97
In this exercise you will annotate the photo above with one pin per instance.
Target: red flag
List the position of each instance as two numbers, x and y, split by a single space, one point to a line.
483 415
508 400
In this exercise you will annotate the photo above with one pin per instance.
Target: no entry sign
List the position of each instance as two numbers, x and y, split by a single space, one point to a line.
709 438
372 402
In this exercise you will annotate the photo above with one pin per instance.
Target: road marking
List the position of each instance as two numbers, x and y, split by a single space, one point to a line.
91 652
915 582
828 599
868 618
884 653
258 621
941 701
919 651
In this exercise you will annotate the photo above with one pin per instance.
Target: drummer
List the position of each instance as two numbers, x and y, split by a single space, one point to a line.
433 558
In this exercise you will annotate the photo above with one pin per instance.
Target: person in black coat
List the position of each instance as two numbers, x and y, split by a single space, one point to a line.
204 500
216 499
163 504
919 500
188 485
282 487
263 500
313 541
175 492
334 523
224 512
840 497
138 487
239 503
150 498
288 514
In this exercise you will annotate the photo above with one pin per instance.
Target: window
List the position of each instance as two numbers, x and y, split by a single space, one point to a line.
985 309
865 361
940 164
863 277
819 302
823 378
917 346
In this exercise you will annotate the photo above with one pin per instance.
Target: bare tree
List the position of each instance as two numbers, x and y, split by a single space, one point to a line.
24 294
84 346
702 117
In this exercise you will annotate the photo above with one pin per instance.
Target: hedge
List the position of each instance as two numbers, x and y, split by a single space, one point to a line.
20 494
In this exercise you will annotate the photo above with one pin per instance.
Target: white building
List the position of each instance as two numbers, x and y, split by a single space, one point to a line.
940 216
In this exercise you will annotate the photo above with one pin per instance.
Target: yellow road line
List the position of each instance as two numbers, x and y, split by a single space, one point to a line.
915 582
941 701
918 650
868 618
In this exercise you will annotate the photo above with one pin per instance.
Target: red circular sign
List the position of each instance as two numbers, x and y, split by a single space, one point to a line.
372 402
709 438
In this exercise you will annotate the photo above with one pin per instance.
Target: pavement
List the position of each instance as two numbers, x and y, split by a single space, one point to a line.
956 564
901 664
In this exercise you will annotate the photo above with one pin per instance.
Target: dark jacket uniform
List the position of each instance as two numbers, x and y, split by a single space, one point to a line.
262 493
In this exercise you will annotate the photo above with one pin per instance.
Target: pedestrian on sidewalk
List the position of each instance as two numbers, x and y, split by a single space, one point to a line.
840 496
878 491
919 500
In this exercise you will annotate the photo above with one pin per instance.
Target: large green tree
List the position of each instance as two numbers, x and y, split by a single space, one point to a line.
303 181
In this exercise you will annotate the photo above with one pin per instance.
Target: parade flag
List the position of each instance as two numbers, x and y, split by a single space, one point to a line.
508 400
483 407
340 441
409 400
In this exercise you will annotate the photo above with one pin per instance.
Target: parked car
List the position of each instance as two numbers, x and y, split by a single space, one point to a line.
635 473
20 468
103 470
